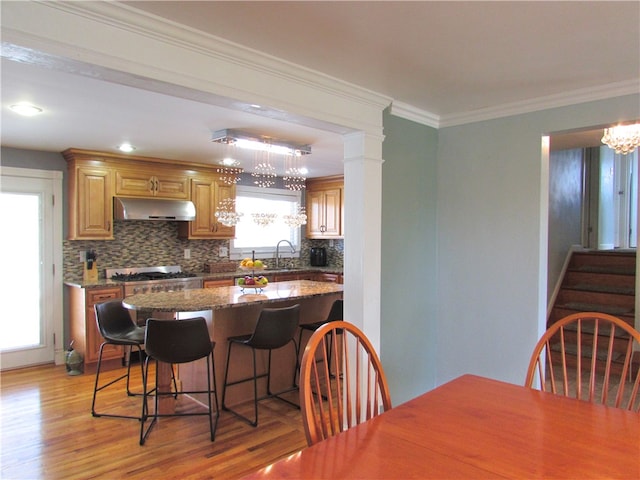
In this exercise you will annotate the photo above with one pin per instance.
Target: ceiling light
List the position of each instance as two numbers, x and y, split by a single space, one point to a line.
25 109
126 148
260 143
623 139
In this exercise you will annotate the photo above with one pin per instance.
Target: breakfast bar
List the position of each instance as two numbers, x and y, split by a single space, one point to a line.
230 311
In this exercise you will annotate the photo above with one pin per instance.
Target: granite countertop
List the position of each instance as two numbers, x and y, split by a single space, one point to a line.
229 297
101 282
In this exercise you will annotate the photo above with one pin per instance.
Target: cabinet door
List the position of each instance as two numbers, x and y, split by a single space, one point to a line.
145 183
172 186
94 339
91 217
206 193
315 213
332 212
328 277
324 213
223 282
222 192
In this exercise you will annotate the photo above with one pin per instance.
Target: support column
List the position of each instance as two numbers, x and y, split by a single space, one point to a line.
362 231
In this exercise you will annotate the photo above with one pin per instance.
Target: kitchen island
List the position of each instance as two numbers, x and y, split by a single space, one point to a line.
234 311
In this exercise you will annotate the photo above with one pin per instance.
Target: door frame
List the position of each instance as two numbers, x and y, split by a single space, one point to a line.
56 279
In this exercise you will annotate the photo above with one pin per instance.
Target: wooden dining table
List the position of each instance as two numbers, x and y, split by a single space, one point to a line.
477 428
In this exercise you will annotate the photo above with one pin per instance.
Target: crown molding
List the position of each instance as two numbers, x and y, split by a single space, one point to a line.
409 112
128 18
601 92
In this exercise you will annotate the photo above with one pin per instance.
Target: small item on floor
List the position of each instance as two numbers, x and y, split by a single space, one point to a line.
73 361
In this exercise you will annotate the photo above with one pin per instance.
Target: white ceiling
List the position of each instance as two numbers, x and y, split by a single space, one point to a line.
448 60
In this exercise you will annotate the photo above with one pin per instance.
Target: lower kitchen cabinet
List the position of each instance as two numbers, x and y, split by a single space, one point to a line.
222 282
328 277
84 329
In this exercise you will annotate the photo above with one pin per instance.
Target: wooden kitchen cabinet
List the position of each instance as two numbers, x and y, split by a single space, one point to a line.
90 193
221 282
324 207
289 276
161 183
328 277
206 193
84 330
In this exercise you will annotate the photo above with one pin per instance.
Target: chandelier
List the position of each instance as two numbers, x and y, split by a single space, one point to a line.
296 219
623 139
264 174
229 171
259 142
264 219
226 212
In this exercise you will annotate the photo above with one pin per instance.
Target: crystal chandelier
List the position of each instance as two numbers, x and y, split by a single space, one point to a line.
264 173
226 212
264 219
296 219
623 139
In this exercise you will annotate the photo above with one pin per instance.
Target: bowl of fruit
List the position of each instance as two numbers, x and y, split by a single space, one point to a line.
255 282
250 264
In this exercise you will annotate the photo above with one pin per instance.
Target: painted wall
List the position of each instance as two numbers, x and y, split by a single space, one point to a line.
409 279
565 210
492 239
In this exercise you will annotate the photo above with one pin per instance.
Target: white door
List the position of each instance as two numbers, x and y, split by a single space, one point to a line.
30 277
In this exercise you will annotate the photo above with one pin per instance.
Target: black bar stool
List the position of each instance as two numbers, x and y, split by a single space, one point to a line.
275 328
178 341
117 328
336 313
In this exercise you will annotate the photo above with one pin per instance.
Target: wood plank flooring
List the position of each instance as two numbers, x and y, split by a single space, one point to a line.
48 433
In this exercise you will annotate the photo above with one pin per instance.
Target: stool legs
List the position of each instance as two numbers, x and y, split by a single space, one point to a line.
254 378
156 393
97 388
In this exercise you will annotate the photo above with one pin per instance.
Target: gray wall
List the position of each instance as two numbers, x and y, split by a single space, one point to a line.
492 240
565 209
409 281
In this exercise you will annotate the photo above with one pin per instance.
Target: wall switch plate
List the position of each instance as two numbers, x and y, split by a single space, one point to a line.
82 256
223 252
331 243
187 253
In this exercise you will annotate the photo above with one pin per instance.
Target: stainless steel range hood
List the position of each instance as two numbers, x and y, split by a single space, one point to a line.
125 208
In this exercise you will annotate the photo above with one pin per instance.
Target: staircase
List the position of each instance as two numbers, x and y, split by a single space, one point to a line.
598 281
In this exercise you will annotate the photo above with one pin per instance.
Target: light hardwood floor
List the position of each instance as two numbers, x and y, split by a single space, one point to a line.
48 433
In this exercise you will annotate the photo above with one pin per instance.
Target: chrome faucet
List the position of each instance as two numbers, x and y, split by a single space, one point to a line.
293 250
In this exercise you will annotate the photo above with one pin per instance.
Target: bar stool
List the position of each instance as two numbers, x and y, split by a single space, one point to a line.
178 341
275 328
336 313
117 328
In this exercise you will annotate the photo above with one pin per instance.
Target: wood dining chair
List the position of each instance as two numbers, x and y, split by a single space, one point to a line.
345 392
589 356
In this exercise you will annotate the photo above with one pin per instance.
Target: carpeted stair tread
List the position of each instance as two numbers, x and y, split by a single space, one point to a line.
589 287
617 269
586 352
591 307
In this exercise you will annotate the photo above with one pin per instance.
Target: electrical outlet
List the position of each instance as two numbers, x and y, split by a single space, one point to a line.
223 252
187 253
331 243
82 256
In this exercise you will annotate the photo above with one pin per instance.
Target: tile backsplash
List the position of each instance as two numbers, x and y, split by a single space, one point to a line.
145 243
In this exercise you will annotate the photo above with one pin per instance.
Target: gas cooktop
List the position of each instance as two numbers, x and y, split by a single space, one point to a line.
147 274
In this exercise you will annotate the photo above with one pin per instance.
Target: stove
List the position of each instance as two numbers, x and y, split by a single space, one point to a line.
154 279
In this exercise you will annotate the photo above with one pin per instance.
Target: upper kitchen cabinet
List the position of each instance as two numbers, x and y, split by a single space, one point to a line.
90 198
152 182
324 207
207 191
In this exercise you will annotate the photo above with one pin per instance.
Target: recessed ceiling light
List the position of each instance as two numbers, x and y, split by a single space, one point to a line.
126 148
25 109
